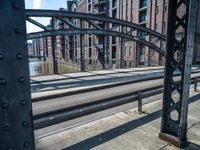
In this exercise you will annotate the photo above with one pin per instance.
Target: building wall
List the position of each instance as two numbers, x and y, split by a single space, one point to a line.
196 56
149 13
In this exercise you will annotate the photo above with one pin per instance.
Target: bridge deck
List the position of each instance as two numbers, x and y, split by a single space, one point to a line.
43 86
126 130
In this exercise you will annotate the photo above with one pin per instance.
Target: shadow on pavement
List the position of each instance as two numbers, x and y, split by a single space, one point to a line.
192 146
104 137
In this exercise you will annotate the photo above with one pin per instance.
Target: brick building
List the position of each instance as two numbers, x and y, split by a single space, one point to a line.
149 13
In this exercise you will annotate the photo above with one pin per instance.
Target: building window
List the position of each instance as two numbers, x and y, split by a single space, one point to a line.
114 52
156 27
141 53
89 8
164 28
114 13
143 33
90 52
143 3
142 17
114 39
114 3
90 41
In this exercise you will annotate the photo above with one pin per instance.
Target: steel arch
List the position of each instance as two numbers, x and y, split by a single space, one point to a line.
85 16
50 33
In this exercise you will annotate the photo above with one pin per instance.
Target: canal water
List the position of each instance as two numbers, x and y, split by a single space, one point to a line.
38 68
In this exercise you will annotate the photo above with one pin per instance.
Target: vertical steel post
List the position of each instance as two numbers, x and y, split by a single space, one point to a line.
139 96
82 52
106 39
123 50
174 115
195 84
54 54
16 125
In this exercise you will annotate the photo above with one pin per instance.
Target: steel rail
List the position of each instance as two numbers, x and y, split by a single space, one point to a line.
96 32
48 119
85 16
57 116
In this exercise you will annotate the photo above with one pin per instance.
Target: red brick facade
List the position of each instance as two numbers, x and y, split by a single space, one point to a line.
149 13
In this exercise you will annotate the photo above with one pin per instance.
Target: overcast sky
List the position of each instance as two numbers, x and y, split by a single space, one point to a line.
42 4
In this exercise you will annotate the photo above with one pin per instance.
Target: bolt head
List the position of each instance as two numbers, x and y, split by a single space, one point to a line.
17 30
6 128
15 5
1 56
23 102
21 79
24 123
19 56
4 105
26 144
2 81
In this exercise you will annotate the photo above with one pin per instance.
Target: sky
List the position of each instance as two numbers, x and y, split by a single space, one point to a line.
42 4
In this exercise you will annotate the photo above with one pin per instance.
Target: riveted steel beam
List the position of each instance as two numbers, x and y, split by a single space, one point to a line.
53 47
37 24
93 24
78 15
67 22
178 58
82 50
16 125
96 32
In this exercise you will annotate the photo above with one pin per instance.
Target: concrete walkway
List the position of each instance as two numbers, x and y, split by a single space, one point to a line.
126 130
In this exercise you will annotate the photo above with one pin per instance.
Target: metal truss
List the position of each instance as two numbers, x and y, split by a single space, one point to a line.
85 16
123 50
106 24
96 32
178 58
16 126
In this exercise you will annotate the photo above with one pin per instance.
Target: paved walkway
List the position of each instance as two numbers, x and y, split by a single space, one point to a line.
126 130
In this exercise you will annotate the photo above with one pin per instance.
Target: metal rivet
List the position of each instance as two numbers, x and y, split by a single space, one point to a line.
25 123
15 5
6 128
1 56
4 105
21 79
17 30
23 102
2 81
19 56
26 144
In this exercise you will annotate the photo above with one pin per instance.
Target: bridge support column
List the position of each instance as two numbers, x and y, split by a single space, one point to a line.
82 51
175 109
54 54
123 49
16 125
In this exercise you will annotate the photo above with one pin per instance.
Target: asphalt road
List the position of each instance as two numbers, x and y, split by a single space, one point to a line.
77 99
